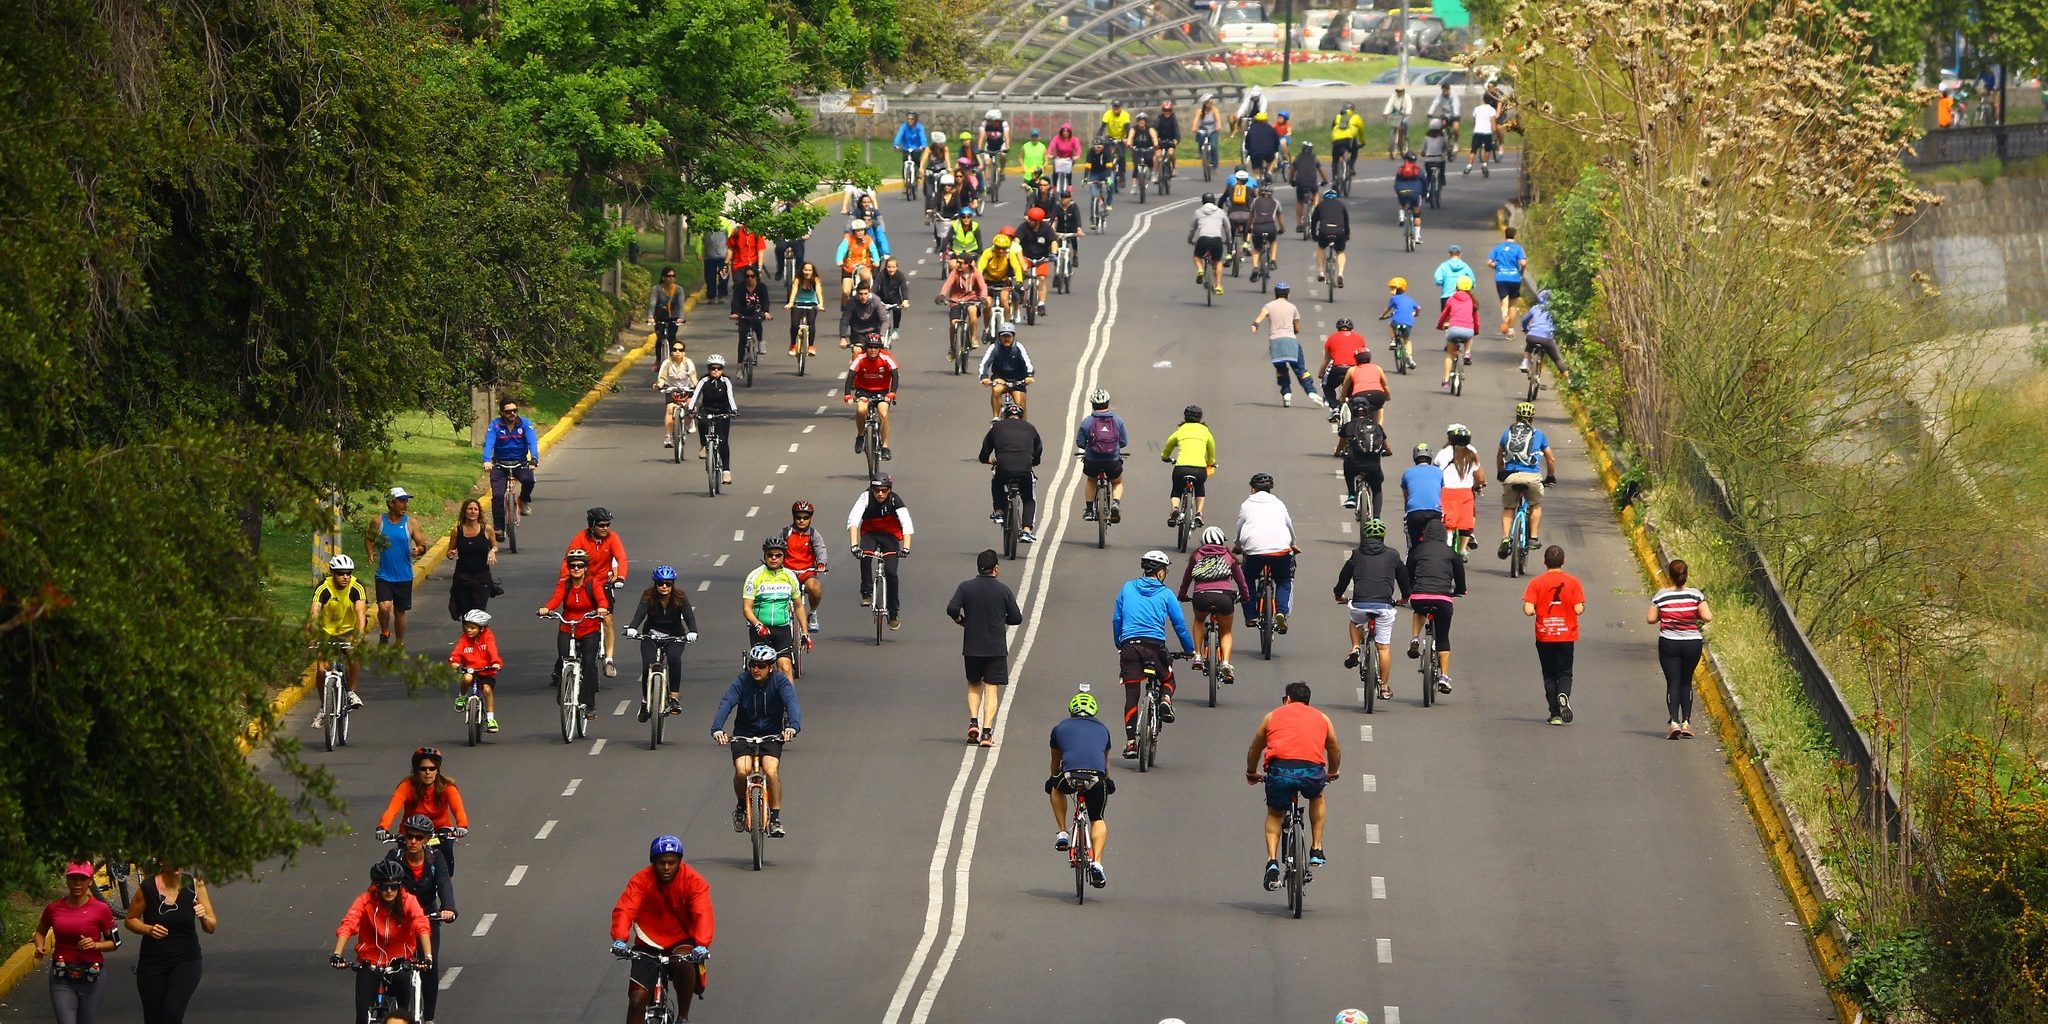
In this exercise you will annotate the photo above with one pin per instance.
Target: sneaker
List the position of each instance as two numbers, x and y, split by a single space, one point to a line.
887 454
675 707
1229 673
775 829
703 453
461 701
1555 720
1116 513
645 713
860 444
1486 170
739 819
1685 729
1272 875
1088 514
1219 289
1202 276
355 700
1564 707
1671 730
668 442
1340 280
1333 414
1319 277
1468 169
1166 710
1351 660
1280 623
988 737
725 477
895 623
1063 842
813 351
1027 537
867 601
1443 684
973 730
1534 544
1130 750
1287 400
1041 309
1251 622
1504 546
589 714
1198 520
996 518
1315 399
1415 647
1316 858
792 350
490 723
1525 366
383 638
812 625
611 669
1445 387
1349 502
1096 876
1173 519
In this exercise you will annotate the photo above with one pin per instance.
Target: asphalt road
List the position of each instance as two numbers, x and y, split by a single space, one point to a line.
1484 866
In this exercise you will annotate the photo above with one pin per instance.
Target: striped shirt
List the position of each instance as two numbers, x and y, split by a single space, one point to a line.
1678 613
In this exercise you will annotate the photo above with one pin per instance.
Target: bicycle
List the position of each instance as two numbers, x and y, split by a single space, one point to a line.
1433 185
1206 142
1020 298
473 708
1081 848
1457 371
124 877
380 1009
909 178
1342 172
513 505
1369 659
654 697
1404 357
1142 173
1149 722
1431 671
1211 654
1163 172
959 339
661 1002
714 461
676 429
1098 207
1534 372
1013 517
1266 603
1240 243
1365 500
333 716
570 690
1294 849
996 176
871 437
1103 509
878 582
1518 533
1063 266
1187 511
757 795
1329 274
1212 279
794 652
750 349
1411 230
804 334
1397 138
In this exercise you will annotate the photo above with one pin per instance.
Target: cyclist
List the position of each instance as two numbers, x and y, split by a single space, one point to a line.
1409 184
1167 127
863 318
1001 266
1436 577
1444 107
680 372
1422 495
510 441
1080 766
342 611
1362 443
1307 177
388 926
1005 370
607 551
911 139
936 158
666 609
1037 243
966 236
1102 171
1459 320
1330 225
1524 459
1400 107
1268 223
1374 572
762 702
1213 584
1100 440
428 879
1191 449
1143 143
880 521
772 601
857 254
1283 345
577 597
806 297
1238 194
945 201
665 908
476 655
1436 152
970 156
965 292
1265 534
750 304
805 553
665 306
1012 447
1509 261
1483 145
1283 126
1066 223
1064 149
1262 144
995 140
872 379
1294 752
1209 125
1116 126
715 404
1209 232
892 290
1038 190
1347 130
1539 336
1253 104
1031 160
427 791
1366 380
1399 313
1463 480
1138 625
1340 350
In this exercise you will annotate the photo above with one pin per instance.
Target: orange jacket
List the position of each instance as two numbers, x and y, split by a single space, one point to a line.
382 936
667 916
602 554
444 807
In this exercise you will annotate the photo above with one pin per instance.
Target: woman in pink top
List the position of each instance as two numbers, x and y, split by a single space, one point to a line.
1459 321
1064 149
1214 583
76 933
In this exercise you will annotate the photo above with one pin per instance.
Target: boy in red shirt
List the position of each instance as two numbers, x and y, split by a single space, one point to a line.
1555 600
476 655
1340 351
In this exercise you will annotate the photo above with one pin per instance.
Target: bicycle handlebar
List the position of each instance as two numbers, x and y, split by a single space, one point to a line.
664 959
777 738
660 637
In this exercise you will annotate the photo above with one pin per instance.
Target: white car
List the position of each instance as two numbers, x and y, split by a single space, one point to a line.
1309 32
1240 23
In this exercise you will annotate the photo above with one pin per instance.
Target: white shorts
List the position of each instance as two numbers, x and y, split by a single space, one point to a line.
1383 627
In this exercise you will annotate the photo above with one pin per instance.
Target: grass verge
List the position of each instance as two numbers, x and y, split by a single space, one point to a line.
1357 72
1986 171
19 912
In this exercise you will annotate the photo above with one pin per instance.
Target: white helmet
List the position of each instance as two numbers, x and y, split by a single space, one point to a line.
715 360
1154 560
856 224
1257 91
994 114
341 563
946 178
478 616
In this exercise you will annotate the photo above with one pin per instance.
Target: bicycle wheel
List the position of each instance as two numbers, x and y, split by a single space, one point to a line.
1518 548
1369 668
803 349
655 697
1535 386
1457 381
881 590
1212 664
1429 664
570 694
1330 277
473 712
873 443
1187 517
1145 732
1297 866
1267 607
748 356
1101 512
341 732
757 822
1141 188
1407 232
711 461
1078 852
1401 356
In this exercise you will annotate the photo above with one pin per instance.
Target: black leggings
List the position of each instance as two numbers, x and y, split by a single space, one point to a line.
674 651
166 989
1026 487
1679 659
1374 478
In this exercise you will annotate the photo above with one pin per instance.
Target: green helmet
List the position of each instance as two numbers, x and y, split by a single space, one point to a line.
1373 528
1083 704
1525 410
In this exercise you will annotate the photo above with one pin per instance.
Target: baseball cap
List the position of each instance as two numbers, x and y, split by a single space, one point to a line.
398 494
78 868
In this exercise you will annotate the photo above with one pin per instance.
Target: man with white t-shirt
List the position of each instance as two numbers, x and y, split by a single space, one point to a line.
1484 145
1283 346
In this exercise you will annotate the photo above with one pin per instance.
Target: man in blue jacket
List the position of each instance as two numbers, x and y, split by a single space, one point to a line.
765 700
1448 272
511 451
911 138
1144 609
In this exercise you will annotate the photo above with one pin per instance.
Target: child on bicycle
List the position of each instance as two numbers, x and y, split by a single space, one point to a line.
476 656
1400 313
1409 183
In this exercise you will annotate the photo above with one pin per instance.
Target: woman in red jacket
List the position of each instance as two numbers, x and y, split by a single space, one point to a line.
1459 321
583 604
427 791
388 926
665 908
476 657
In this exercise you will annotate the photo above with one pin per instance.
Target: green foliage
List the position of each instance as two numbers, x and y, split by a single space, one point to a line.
1986 930
1882 976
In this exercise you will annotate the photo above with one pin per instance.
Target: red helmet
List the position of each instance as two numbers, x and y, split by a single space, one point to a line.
802 508
1166 105
1007 231
1035 215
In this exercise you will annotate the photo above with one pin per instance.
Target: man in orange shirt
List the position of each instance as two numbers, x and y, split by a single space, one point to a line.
607 553
1945 110
1555 600
1340 351
1297 746
665 909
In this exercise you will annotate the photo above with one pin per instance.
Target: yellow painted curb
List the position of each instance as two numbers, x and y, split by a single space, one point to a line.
1771 824
17 969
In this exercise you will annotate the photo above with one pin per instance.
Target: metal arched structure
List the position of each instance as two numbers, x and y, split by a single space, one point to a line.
1086 62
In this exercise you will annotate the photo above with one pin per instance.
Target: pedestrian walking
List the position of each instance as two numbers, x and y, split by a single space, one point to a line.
476 551
1556 600
395 544
985 608
716 281
168 911
1680 614
76 932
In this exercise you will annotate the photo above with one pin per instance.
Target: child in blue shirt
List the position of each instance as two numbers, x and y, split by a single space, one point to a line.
1400 313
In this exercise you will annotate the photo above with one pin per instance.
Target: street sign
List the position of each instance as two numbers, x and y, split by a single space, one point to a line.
834 103
867 104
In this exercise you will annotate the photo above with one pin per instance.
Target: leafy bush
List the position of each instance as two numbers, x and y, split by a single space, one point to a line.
1882 975
1986 925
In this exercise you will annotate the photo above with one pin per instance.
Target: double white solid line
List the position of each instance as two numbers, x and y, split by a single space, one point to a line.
1033 588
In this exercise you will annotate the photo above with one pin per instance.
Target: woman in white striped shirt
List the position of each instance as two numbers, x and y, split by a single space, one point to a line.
1680 613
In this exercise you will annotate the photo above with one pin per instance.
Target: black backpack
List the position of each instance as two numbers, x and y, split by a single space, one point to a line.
1368 440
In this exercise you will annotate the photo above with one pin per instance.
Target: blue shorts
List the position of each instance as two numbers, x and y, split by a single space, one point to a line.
1286 778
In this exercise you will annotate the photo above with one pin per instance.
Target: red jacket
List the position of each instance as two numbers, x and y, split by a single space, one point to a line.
381 935
743 248
479 655
603 556
1459 311
442 803
579 601
667 916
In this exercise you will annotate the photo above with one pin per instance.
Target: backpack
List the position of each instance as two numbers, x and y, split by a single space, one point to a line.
1241 194
1408 170
1102 437
1521 444
1368 441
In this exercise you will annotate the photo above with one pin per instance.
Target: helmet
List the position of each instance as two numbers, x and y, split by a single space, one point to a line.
1283 113
1458 433
1006 330
1154 560
420 754
1262 481
597 514
418 823
872 341
1328 193
1373 528
882 480
774 543
1116 104
1083 704
802 508
1265 188
1066 193
1256 91
1261 116
1098 398
1398 283
1436 124
1422 452
341 563
1037 214
1034 133
478 616
1344 323
994 114
1191 414
967 136
1281 288
967 211
1212 535
1455 249
1208 199
1013 411
387 872
577 556
946 178
1409 156
1143 118
1464 284
856 224
1348 108
1166 106
760 654
664 844
715 360
664 574
1306 146
1002 241
1244 175
1525 410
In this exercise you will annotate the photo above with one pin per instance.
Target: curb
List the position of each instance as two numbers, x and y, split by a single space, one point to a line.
1774 821
17 969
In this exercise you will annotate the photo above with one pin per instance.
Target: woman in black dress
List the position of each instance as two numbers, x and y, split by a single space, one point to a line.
475 548
168 911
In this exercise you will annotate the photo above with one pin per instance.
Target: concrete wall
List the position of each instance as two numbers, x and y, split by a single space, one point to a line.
1985 247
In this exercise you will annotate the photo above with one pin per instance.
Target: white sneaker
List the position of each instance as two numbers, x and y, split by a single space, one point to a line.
1062 842
1287 400
1097 877
1525 366
1315 398
355 700
725 477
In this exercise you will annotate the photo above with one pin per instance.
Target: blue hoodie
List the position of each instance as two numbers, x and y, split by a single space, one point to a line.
911 136
1537 322
1143 608
764 710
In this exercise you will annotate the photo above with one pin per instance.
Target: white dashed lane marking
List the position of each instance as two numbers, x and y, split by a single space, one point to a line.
1386 950
570 790
1364 731
518 874
448 977
1372 835
597 748
720 560
621 709
703 585
1379 887
792 447
739 535
753 510
779 470
483 924
1372 782
546 829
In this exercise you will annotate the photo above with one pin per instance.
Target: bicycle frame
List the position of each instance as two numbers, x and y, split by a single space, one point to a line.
878 583
574 725
757 794
386 978
1081 846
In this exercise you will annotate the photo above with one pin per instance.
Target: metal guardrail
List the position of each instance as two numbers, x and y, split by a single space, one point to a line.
1963 145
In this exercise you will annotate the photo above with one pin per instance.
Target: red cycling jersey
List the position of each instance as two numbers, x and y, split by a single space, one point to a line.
1296 732
873 372
665 915
383 935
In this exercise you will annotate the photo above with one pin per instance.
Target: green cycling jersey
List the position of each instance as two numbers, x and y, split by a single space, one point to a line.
772 593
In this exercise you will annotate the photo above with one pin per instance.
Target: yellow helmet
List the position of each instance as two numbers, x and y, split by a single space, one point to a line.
1002 241
1464 284
1399 284
1261 116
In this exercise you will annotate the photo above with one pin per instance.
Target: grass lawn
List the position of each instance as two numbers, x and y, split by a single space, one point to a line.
1358 71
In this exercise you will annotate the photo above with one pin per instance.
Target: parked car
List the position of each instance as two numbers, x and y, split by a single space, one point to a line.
1241 23
1415 72
1423 30
1453 41
1312 31
1447 76
1359 26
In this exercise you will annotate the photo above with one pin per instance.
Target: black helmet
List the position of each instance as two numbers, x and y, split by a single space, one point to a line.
1262 481
1191 414
775 542
1208 199
387 872
1344 323
597 515
419 823
1013 411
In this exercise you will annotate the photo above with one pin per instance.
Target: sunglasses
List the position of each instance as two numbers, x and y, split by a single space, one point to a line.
771 554
415 839
389 888
343 574
664 583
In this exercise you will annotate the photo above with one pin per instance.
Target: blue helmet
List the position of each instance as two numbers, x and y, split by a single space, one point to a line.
664 844
967 211
1329 193
664 574
1283 113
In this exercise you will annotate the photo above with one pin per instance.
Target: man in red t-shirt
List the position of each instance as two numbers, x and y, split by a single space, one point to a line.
1555 600
1340 351
871 380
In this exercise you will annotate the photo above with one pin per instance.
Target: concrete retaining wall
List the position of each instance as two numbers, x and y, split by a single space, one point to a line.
1985 247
